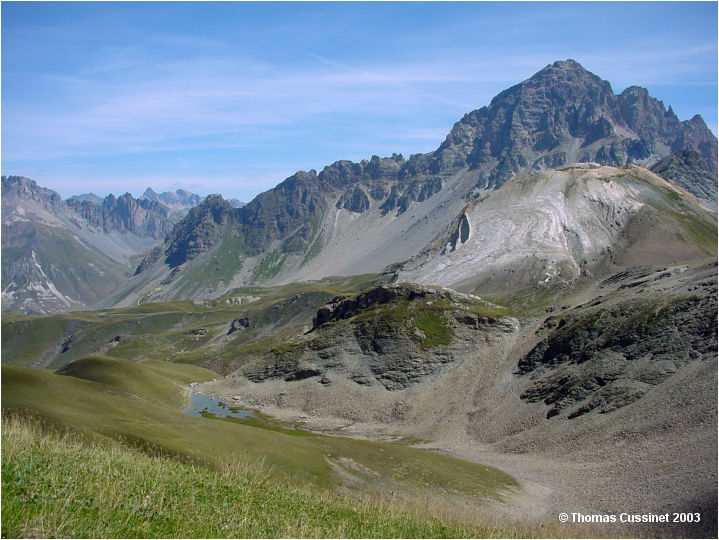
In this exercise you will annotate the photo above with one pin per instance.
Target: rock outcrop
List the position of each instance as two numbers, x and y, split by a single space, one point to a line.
605 359
395 336
199 230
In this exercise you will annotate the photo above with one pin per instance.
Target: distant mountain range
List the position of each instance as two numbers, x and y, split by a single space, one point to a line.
353 218
179 200
64 255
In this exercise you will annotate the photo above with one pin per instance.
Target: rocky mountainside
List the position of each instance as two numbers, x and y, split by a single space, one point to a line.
63 255
392 336
125 214
690 170
352 218
199 230
588 396
565 114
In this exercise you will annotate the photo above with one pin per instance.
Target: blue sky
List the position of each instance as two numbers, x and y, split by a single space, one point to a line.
233 97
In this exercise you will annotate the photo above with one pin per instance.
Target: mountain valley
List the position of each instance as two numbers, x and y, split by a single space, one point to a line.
67 255
537 297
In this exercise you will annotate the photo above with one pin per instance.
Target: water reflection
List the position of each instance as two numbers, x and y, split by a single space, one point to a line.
200 403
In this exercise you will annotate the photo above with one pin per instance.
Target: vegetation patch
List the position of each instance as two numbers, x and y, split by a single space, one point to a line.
435 328
410 314
316 243
119 492
270 266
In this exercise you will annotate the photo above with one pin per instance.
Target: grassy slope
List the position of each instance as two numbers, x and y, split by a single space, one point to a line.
119 492
136 404
147 380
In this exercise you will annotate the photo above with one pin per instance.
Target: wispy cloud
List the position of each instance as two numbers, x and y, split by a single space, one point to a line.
203 97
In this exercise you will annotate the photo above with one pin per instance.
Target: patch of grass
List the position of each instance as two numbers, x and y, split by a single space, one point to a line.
703 231
27 339
429 319
261 421
150 381
89 406
435 329
229 259
59 486
287 347
182 374
700 225
334 286
270 266
219 266
527 302
256 347
316 242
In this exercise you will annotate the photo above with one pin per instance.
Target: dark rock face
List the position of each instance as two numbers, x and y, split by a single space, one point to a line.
605 359
282 212
459 235
691 171
238 324
533 125
154 256
199 230
355 200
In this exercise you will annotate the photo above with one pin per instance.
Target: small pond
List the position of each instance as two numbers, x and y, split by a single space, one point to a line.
200 403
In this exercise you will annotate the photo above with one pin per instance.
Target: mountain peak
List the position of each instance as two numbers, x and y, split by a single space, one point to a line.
199 230
566 72
568 64
564 67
